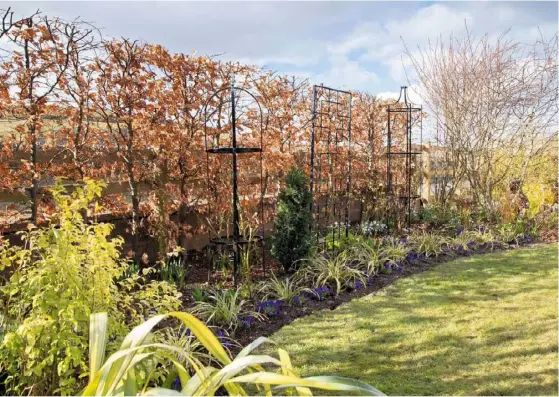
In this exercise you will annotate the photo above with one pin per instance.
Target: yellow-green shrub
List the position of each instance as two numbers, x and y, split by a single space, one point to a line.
538 195
63 273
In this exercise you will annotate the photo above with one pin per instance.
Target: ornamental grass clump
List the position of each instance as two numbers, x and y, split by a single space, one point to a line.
366 256
482 237
287 289
509 234
224 308
430 244
393 251
323 271
462 243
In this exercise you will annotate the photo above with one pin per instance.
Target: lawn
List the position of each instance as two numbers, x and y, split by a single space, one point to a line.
485 325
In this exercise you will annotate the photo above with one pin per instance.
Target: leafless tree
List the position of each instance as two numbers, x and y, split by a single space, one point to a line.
494 101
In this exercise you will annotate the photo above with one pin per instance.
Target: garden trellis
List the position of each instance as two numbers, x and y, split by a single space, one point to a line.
152 152
183 154
330 162
400 193
233 115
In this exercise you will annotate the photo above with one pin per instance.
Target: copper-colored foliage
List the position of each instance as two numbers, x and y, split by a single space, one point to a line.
133 114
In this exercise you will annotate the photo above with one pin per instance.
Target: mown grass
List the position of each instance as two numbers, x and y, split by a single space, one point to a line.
484 325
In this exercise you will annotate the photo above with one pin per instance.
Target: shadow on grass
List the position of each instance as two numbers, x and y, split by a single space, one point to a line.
483 325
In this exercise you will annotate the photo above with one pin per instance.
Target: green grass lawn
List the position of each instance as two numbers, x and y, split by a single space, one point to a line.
485 325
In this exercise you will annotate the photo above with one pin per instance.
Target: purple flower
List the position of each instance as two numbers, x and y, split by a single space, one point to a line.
358 284
296 300
223 339
308 295
246 323
186 331
176 384
321 292
271 307
459 230
411 257
399 268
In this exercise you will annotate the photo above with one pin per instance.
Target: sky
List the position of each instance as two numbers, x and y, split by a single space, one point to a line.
345 45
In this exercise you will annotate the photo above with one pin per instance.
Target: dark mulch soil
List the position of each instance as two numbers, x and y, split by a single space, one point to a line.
244 336
202 273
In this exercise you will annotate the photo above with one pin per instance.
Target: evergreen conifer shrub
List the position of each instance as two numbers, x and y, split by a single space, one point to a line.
292 239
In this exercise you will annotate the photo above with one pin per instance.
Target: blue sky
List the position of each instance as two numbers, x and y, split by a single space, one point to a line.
350 45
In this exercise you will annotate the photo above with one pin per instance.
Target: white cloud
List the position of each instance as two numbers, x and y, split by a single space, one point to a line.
384 43
345 44
435 19
347 74
413 93
381 43
388 95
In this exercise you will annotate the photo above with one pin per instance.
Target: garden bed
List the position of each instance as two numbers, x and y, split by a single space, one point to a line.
288 313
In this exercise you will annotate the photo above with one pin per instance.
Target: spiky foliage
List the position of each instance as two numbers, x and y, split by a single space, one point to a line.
120 374
393 251
322 270
462 242
365 256
223 308
285 289
482 236
509 234
429 244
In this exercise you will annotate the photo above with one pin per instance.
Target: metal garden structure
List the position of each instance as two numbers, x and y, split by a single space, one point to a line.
330 162
400 192
233 127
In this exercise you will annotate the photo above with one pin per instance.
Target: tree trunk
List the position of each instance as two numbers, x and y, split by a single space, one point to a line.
133 185
163 215
34 177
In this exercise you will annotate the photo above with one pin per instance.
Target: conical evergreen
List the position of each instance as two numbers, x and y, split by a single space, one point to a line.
292 236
